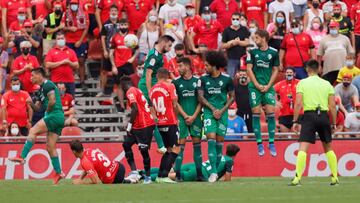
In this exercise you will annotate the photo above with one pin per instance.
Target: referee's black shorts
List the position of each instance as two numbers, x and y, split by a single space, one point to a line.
170 135
313 123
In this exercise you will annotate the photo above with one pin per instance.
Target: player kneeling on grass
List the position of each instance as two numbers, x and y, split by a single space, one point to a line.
97 166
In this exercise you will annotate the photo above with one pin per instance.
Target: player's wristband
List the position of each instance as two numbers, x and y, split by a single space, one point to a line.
129 126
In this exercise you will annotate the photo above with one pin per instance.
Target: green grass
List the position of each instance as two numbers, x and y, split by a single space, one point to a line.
239 190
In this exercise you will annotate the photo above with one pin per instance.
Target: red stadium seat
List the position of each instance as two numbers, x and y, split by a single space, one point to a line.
71 131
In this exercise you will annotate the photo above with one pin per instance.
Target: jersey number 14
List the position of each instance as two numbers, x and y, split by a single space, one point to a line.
159 105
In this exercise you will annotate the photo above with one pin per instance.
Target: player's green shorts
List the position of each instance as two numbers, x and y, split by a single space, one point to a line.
212 125
194 130
54 122
257 97
188 172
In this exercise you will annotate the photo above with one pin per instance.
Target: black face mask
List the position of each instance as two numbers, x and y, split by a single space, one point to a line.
124 30
316 5
336 15
25 51
58 12
243 80
179 55
29 33
346 84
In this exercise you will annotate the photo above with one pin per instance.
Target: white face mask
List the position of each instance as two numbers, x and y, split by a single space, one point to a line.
113 17
190 12
232 112
15 88
172 2
14 131
153 18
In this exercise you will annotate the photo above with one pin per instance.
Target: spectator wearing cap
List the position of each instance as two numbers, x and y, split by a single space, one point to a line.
68 102
76 22
235 39
16 27
190 21
4 61
26 35
286 95
328 9
296 48
10 13
348 69
23 64
172 29
236 124
137 12
284 6
333 50
208 31
103 11
224 10
52 25
345 25
15 108
170 11
340 118
61 61
355 19
348 94
256 10
352 122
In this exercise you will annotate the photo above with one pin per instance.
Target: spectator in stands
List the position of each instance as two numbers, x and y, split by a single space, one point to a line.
9 9
13 130
340 118
61 61
256 10
355 19
17 25
23 65
172 29
26 35
329 6
190 21
201 5
170 11
103 11
207 30
300 7
348 69
277 30
68 102
333 50
253 27
284 6
352 122
15 108
76 30
317 32
356 83
52 25
345 25
224 10
198 60
296 48
4 61
173 65
313 12
236 124
348 94
89 7
242 98
286 95
235 39
137 12
40 8
148 34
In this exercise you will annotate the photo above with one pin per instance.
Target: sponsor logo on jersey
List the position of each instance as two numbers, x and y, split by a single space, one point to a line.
188 93
263 64
214 90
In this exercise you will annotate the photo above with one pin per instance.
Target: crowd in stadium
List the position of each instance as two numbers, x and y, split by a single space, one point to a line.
61 35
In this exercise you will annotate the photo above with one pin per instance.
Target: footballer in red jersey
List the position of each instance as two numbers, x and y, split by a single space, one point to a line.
97 166
140 128
164 99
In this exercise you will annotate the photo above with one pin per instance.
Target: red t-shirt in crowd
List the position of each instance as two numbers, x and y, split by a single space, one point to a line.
137 12
67 101
190 24
254 10
224 12
89 6
63 73
292 56
94 162
25 78
173 67
209 35
40 8
104 6
287 92
355 15
122 53
198 65
15 27
340 118
73 37
16 107
143 118
12 7
162 95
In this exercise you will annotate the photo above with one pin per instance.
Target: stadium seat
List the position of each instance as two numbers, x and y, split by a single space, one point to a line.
71 131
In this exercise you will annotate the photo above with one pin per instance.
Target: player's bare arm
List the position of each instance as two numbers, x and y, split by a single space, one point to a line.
52 101
203 101
36 106
181 111
297 108
275 71
148 73
252 77
332 109
191 119
229 102
133 114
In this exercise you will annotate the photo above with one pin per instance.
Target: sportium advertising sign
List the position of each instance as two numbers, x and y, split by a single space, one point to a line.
247 162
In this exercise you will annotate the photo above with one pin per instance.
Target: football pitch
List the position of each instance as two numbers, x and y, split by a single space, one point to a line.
262 190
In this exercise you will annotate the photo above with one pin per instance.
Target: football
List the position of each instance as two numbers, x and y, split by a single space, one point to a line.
131 41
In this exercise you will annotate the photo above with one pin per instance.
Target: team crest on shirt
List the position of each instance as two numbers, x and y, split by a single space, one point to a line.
269 56
257 56
181 86
194 84
152 62
221 83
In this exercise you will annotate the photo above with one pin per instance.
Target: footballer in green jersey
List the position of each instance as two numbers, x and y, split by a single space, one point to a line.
262 67
216 93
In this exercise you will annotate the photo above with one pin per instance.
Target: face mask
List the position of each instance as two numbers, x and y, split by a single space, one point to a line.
124 30
60 42
140 72
15 88
316 26
153 18
62 92
29 33
243 80
213 16
295 30
349 63
252 30
333 32
25 51
74 7
280 19
172 3
14 131
113 17
337 108
235 23
206 17
336 15
58 12
346 84
357 115
316 5
232 112
190 12
21 17
179 55
243 23
289 77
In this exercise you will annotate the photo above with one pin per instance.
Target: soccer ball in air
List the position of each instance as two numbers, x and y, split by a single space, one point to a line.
131 41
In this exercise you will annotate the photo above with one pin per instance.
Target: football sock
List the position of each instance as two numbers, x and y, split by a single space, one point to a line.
169 163
271 126
146 160
56 164
257 127
179 160
158 138
162 164
26 149
129 155
219 149
332 160
197 158
300 163
212 154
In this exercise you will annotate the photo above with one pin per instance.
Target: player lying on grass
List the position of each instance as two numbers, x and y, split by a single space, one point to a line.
97 167
188 171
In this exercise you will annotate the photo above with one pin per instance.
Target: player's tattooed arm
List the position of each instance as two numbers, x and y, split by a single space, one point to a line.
133 113
36 106
203 101
229 101
52 101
